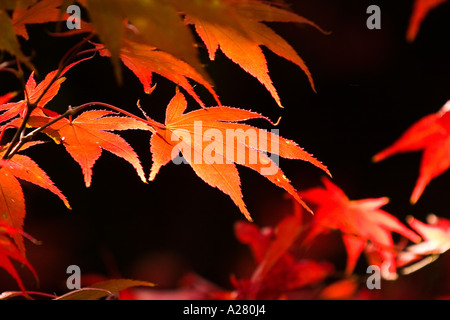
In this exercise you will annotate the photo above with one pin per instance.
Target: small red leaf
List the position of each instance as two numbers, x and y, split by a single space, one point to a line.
360 221
420 11
431 135
278 271
8 251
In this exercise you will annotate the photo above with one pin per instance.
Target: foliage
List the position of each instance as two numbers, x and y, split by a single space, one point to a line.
165 39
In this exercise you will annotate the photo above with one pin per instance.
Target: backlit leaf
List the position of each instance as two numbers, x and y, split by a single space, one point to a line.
431 134
87 135
227 142
240 38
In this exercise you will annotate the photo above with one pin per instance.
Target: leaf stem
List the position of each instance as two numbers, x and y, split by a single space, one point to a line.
69 113
4 129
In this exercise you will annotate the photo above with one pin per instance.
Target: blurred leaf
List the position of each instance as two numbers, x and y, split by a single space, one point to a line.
420 12
41 12
360 221
339 290
9 251
144 60
9 41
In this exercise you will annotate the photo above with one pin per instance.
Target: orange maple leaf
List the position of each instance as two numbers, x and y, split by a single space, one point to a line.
46 90
241 36
420 11
6 97
145 60
38 12
361 222
432 135
228 142
155 23
87 135
12 202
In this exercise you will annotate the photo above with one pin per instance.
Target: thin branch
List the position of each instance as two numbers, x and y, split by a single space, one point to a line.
69 56
72 111
17 136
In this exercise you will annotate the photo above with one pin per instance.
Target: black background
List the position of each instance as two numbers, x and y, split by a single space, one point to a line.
371 86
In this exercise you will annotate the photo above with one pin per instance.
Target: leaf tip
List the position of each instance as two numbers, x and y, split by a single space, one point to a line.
415 195
247 214
278 122
305 206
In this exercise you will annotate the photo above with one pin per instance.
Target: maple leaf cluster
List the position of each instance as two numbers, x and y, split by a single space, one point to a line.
159 37
124 31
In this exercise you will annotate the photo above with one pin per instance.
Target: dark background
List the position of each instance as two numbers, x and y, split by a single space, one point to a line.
371 86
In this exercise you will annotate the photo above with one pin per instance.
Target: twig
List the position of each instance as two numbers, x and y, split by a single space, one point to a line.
19 136
70 112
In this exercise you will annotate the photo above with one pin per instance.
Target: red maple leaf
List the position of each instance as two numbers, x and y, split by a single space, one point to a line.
432 135
278 271
361 222
8 251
